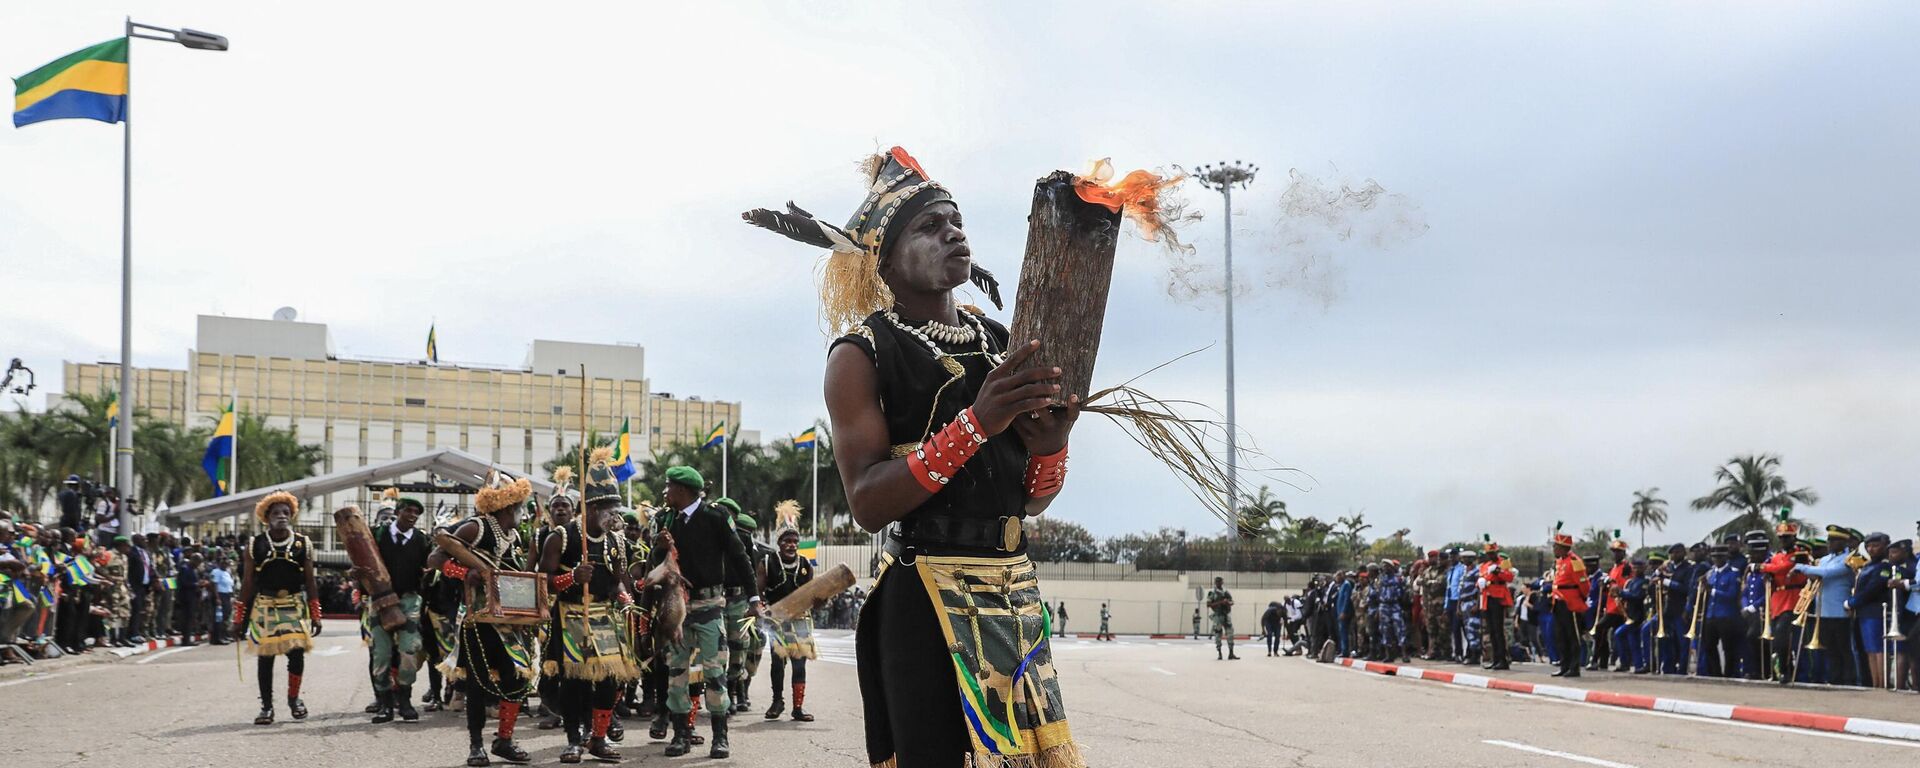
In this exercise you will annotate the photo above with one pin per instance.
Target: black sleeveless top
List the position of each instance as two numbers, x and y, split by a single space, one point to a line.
279 568
783 580
606 567
991 484
501 553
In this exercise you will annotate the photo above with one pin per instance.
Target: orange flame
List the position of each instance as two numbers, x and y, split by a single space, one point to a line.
1138 195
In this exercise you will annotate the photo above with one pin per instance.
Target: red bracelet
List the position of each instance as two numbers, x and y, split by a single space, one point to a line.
952 447
563 581
454 570
313 609
1045 474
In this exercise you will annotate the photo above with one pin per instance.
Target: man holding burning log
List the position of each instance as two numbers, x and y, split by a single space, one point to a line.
954 660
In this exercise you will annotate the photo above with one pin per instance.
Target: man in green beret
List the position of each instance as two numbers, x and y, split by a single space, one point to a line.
394 656
712 560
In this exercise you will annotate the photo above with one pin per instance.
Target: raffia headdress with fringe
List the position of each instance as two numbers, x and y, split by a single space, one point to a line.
260 508
850 284
501 492
602 484
563 489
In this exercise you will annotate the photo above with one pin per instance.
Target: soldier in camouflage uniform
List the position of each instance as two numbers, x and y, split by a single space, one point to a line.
1389 597
112 585
1432 587
1220 602
1362 593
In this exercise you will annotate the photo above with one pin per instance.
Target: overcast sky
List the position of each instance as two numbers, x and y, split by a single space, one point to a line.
1657 235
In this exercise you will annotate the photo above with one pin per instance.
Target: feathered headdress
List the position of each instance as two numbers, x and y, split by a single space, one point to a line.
850 284
1784 525
277 497
501 492
1561 539
601 482
563 489
390 498
786 514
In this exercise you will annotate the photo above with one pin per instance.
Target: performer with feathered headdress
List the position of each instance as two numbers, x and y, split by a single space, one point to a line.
495 660
964 450
279 603
586 569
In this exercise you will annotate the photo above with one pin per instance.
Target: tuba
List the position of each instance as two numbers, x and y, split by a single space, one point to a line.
1803 607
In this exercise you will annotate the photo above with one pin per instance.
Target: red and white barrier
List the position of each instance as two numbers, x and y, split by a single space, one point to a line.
1811 720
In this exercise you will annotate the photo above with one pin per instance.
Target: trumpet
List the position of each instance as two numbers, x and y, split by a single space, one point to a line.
1660 607
1766 608
1699 606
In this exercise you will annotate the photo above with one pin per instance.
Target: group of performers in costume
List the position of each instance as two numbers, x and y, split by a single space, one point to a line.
632 596
954 662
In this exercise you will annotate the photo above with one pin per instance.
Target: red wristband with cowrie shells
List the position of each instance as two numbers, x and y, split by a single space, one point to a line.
454 570
563 582
941 456
1045 474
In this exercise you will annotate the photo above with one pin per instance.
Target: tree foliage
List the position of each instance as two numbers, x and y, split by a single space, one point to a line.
1752 487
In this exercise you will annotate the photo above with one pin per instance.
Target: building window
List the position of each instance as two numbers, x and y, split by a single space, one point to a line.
416 401
556 410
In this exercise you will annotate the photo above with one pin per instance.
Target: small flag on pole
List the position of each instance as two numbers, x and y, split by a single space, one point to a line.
218 461
89 83
433 345
715 437
807 438
623 466
113 410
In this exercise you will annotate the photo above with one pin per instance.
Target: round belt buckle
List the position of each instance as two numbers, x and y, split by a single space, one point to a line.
1009 533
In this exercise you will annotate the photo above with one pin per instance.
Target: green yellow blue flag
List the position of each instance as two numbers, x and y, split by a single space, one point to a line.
89 83
433 345
113 410
218 461
623 466
715 437
807 438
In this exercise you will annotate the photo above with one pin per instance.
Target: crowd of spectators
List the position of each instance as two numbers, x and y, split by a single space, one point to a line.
83 585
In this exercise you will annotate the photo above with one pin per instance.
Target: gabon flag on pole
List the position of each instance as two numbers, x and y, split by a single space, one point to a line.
623 467
90 83
218 461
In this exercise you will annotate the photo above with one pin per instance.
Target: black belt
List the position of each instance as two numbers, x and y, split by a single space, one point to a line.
935 532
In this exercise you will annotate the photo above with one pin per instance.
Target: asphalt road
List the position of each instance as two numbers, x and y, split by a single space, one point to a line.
1134 702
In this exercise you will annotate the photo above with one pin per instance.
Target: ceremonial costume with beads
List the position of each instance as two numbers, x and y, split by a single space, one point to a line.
792 641
496 661
587 643
279 621
953 644
549 685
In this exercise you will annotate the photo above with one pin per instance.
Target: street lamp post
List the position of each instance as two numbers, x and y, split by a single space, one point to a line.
1223 177
123 431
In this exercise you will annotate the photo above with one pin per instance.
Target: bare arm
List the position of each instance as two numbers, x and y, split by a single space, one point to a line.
880 488
246 575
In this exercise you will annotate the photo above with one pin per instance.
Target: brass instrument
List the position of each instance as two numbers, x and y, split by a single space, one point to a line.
1660 606
1766 610
1891 612
1699 607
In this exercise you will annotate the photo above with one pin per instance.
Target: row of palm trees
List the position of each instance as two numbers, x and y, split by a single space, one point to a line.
1751 486
758 476
39 450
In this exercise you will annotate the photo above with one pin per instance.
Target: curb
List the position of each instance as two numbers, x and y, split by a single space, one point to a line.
1859 726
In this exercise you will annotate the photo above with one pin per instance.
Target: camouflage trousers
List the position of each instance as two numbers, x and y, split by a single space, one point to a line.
744 643
1436 617
1222 628
700 658
382 666
1393 626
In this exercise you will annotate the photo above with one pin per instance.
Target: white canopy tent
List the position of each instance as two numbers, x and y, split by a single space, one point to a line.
450 463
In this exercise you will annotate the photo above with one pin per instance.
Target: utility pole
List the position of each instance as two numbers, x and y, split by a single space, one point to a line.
1223 177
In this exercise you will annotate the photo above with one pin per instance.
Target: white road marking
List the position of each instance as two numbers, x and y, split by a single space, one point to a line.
1553 753
1740 723
54 676
331 651
167 652
1161 671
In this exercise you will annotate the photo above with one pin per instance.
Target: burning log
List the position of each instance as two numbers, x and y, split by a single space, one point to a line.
1073 230
375 582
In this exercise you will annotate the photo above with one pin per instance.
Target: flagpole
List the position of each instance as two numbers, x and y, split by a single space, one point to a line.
726 450
814 480
123 432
